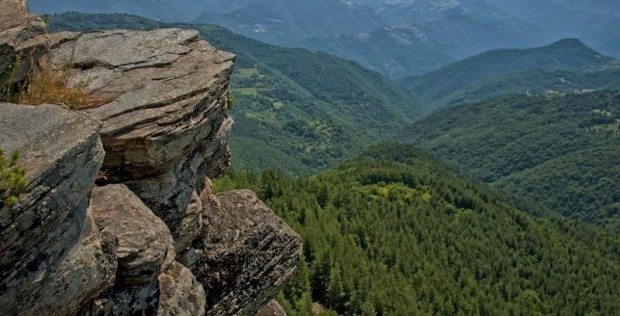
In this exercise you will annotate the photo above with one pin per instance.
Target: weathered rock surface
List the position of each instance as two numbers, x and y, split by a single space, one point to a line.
273 308
249 253
52 257
156 240
180 293
144 243
167 125
22 40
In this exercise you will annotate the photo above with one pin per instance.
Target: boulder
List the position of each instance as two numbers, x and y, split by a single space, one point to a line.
144 243
248 254
52 257
149 281
180 293
22 41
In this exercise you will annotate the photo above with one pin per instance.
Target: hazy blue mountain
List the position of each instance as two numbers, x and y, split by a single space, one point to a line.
498 69
596 22
396 37
285 21
416 48
393 51
596 6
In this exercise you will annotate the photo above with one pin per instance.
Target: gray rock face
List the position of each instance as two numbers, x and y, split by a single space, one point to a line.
22 40
144 242
52 258
180 293
157 242
144 251
249 253
167 125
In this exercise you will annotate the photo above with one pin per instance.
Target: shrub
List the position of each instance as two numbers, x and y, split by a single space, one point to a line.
12 178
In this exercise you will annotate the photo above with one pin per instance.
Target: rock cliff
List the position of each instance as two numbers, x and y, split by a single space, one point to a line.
151 238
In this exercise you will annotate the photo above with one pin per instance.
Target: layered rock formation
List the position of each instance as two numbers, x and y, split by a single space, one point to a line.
154 240
52 256
22 41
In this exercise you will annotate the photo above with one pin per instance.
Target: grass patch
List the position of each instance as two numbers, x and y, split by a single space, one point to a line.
247 91
248 72
45 86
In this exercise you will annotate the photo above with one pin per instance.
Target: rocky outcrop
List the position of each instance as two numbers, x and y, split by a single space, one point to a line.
167 125
153 239
52 256
249 253
144 242
180 292
148 281
22 41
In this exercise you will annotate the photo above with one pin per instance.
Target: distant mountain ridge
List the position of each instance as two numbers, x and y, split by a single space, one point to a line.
452 82
379 34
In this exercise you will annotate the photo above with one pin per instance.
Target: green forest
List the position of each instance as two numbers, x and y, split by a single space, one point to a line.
395 231
559 150
511 222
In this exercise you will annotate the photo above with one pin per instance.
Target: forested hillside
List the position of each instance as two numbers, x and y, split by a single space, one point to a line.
296 110
564 66
394 231
560 150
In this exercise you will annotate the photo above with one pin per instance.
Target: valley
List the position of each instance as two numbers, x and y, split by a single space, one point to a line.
482 181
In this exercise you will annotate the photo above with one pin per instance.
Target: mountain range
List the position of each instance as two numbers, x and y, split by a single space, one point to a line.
394 230
567 65
396 38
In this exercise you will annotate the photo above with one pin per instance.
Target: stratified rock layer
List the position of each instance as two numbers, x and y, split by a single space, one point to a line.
155 240
167 125
22 41
52 256
144 242
249 253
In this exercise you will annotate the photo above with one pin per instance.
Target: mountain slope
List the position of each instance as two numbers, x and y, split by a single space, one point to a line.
584 181
285 21
394 231
521 142
392 51
296 110
419 45
593 21
447 83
